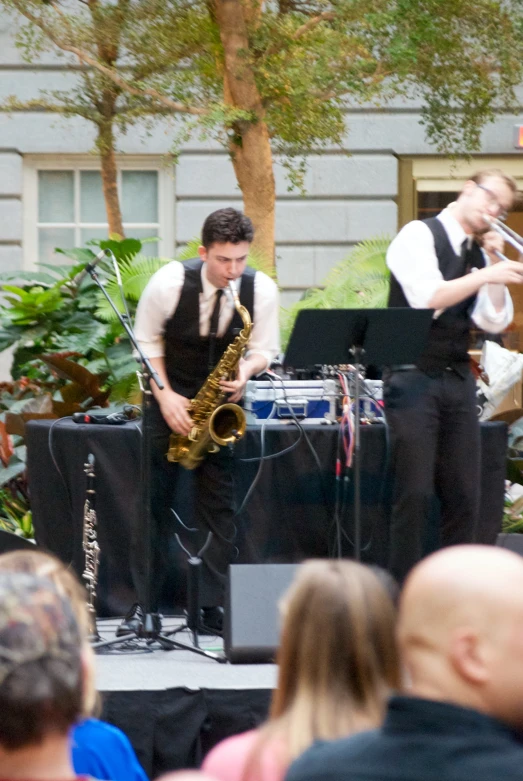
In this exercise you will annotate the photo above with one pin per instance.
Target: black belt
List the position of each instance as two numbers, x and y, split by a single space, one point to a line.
405 367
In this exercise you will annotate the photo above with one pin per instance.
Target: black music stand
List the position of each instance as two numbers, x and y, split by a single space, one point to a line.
362 337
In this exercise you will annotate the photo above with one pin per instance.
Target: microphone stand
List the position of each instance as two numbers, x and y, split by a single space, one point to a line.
151 628
195 563
358 353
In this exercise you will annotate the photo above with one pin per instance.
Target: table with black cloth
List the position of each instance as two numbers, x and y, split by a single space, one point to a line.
288 517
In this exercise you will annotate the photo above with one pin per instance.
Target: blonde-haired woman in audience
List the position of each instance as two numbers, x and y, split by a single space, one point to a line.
337 666
98 749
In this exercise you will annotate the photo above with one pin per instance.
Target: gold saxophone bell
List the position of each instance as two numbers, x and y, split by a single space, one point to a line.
227 424
215 424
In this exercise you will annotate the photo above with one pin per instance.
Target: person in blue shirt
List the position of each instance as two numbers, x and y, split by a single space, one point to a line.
104 752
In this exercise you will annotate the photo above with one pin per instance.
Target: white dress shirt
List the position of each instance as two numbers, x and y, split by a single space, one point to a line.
160 298
412 259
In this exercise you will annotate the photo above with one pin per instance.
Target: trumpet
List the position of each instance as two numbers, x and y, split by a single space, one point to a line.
509 235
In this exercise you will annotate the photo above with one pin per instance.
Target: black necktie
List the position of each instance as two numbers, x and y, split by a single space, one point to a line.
465 256
215 317
213 328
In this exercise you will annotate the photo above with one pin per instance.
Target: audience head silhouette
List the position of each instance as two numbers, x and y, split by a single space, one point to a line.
461 630
337 666
45 565
89 747
337 657
41 666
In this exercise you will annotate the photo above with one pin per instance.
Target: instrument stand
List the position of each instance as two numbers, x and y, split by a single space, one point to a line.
194 617
377 337
358 354
150 630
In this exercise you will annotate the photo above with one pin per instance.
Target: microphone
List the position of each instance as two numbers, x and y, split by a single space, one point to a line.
90 266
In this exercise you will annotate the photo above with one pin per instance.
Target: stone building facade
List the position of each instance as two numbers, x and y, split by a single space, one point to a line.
50 191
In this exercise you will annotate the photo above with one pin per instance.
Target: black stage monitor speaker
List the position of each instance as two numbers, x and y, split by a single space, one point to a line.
251 621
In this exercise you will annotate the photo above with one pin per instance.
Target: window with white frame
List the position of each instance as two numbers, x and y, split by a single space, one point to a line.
64 206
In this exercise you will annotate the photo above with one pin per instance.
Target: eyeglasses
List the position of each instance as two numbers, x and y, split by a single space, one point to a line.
493 201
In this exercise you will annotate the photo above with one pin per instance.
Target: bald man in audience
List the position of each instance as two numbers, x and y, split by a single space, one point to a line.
460 632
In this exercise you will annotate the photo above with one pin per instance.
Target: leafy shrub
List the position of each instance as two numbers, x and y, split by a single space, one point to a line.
71 353
359 281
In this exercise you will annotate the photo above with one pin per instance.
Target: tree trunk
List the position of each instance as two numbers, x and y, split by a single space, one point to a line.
250 149
105 144
252 162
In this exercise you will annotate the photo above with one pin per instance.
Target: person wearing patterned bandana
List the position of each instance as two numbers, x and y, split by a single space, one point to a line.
43 674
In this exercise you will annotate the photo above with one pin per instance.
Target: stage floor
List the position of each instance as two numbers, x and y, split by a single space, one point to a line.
175 705
158 669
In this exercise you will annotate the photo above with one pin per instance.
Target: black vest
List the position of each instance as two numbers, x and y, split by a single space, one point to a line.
449 335
186 352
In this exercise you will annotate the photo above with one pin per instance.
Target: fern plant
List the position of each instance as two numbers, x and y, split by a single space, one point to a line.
135 273
360 281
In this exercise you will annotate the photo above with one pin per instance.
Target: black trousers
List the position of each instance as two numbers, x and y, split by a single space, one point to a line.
435 449
212 509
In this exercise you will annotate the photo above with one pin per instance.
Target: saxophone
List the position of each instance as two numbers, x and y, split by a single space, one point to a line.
91 548
215 424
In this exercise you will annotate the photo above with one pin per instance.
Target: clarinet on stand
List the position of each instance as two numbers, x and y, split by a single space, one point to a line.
91 549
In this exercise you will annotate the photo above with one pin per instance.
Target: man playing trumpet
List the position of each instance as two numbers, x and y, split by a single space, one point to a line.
431 407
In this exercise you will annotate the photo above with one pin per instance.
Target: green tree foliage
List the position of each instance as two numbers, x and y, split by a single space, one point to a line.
276 77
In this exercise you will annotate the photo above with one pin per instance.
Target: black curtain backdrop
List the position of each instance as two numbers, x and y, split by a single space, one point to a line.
182 725
289 516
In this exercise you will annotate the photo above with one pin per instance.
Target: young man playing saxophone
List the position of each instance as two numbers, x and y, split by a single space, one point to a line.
184 324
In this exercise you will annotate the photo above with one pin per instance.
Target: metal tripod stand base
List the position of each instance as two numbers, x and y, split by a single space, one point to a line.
150 631
195 633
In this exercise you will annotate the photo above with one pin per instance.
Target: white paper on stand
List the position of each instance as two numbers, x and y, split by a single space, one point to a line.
503 369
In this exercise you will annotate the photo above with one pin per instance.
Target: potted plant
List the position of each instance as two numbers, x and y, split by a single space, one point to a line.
511 535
